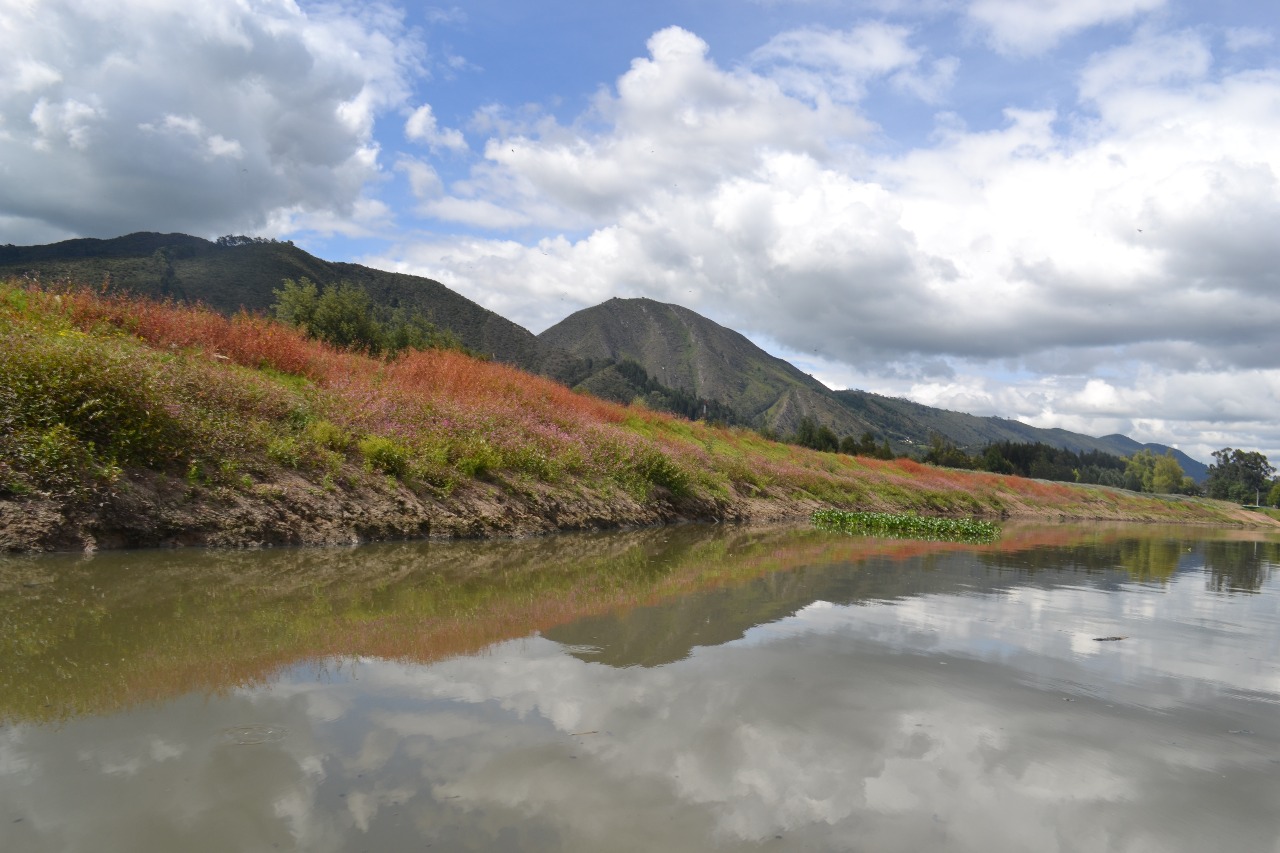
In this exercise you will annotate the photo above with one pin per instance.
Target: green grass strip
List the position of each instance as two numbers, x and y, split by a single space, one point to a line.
906 525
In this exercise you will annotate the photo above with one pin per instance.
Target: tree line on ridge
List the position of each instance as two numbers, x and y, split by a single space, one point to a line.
1240 476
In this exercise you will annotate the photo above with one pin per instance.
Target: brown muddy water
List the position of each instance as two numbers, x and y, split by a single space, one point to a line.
684 689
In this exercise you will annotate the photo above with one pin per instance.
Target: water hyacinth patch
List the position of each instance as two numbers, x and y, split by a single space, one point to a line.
906 525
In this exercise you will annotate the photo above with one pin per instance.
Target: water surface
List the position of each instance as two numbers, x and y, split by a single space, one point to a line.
689 688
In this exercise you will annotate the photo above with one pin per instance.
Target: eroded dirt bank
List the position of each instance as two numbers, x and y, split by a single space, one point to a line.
147 510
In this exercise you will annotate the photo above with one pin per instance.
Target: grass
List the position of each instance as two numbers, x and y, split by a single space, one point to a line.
97 389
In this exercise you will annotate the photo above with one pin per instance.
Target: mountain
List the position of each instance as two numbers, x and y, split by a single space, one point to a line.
686 351
242 273
683 350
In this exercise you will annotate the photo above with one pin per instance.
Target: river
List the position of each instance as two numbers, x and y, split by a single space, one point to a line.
694 688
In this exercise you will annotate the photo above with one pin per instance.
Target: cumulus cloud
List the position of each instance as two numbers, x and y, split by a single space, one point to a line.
424 181
1032 26
818 63
421 127
677 123
119 116
1150 60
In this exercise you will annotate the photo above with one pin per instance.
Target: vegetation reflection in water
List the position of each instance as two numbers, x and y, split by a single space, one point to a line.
906 525
96 635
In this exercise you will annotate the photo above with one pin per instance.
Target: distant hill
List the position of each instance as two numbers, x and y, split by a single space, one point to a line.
246 274
1122 445
622 349
687 351
684 350
903 421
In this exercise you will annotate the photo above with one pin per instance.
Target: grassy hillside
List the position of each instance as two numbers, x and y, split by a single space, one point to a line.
228 278
682 352
125 422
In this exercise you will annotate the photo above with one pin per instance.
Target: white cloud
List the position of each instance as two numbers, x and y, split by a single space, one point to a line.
930 86
28 75
68 122
819 63
221 116
421 127
1031 26
677 123
363 217
1147 61
424 181
1246 38
212 145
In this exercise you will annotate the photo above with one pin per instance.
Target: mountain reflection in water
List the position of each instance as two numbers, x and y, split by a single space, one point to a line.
687 688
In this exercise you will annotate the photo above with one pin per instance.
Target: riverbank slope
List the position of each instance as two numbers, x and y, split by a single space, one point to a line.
131 423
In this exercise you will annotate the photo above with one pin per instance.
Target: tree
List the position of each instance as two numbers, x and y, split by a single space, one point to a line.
1046 462
943 451
1146 472
1140 472
344 318
993 460
809 434
296 302
343 315
1167 476
1238 475
864 446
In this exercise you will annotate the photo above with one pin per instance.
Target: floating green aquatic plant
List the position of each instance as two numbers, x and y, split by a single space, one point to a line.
906 525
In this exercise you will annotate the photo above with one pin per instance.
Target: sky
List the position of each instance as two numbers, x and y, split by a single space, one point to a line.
1060 211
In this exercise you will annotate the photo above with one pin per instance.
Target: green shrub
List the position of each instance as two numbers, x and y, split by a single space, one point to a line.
285 450
478 458
385 455
52 460
100 393
662 470
535 462
329 435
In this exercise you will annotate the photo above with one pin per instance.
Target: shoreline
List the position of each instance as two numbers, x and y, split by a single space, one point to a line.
150 511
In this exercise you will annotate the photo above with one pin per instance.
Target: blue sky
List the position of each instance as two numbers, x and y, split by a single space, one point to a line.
1062 211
